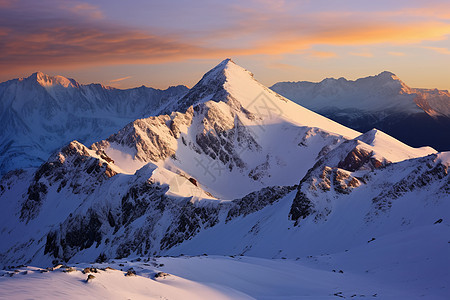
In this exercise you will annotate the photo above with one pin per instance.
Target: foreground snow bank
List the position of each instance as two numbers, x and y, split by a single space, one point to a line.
384 268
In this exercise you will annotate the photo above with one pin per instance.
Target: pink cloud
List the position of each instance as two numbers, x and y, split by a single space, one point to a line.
84 9
121 79
6 3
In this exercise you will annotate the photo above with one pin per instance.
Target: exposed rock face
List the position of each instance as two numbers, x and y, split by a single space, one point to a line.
141 220
420 178
73 166
344 182
358 158
219 135
188 219
210 87
148 201
333 174
349 168
257 200
223 136
153 138
188 223
138 223
81 232
30 208
301 207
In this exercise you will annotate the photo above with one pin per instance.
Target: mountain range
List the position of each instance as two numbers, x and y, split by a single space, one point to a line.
41 113
231 168
418 117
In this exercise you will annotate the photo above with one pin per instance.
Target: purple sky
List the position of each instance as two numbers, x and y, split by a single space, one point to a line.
162 43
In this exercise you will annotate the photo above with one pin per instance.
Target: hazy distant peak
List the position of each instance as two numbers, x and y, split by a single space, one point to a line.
386 74
48 81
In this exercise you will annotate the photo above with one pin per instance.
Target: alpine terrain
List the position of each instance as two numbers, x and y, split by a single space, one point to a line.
417 117
234 192
41 113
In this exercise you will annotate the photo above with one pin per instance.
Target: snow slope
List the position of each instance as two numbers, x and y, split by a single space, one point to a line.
30 283
41 113
365 272
335 210
418 117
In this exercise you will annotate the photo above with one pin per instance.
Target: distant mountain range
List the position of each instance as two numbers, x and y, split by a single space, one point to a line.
418 117
41 113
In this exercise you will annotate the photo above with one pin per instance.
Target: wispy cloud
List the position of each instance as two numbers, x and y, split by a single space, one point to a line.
120 79
322 54
6 3
281 66
393 53
437 10
361 54
272 5
439 50
33 40
84 9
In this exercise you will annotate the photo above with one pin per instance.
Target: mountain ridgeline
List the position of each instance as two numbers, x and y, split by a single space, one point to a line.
418 117
41 113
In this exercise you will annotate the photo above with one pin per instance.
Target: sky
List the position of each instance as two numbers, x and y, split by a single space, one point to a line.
162 43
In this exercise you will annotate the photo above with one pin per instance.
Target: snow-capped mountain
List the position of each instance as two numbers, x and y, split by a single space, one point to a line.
229 130
236 169
41 113
417 117
237 148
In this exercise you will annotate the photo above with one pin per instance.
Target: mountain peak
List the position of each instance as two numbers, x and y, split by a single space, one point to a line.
387 76
225 62
213 85
370 136
38 74
224 69
391 79
47 81
391 148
